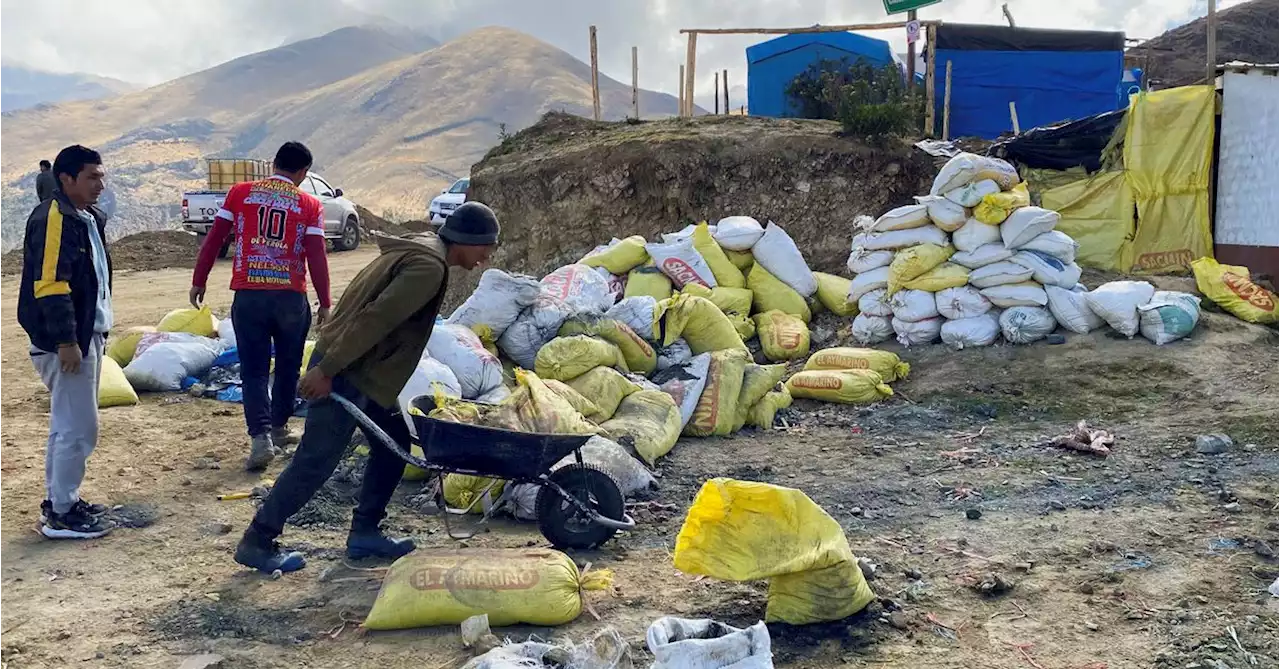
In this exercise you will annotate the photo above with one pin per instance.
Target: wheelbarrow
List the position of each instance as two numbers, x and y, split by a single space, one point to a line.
579 505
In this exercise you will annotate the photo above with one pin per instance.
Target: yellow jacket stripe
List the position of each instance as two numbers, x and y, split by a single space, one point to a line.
48 283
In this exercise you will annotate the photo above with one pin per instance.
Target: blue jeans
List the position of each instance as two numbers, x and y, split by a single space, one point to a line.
325 438
263 318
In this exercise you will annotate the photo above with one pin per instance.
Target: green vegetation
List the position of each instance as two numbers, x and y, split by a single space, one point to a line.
868 101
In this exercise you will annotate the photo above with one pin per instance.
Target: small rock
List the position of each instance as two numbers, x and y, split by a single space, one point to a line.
1233 507
1086 589
1023 566
1055 339
898 620
914 574
1250 447
868 568
1091 626
1264 549
218 528
1202 599
855 511
1225 495
1213 444
1056 505
1252 620
993 584
203 661
973 514
186 480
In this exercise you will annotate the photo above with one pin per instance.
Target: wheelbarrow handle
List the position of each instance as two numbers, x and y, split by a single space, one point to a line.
372 428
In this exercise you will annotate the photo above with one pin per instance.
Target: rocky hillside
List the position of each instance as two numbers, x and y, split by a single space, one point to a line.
1248 32
388 125
22 87
568 184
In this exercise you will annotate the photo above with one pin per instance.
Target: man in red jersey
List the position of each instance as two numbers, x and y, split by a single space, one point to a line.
279 232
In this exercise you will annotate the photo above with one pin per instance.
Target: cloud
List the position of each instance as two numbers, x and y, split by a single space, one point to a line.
149 42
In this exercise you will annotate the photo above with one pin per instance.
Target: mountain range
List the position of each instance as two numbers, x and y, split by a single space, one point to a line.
390 115
23 86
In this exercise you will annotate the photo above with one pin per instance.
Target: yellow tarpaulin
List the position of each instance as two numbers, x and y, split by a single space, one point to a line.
1167 155
1097 212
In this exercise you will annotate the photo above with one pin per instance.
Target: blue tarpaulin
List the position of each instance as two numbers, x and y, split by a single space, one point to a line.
1051 75
772 65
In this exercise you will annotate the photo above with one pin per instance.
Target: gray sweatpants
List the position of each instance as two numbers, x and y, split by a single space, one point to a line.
73 422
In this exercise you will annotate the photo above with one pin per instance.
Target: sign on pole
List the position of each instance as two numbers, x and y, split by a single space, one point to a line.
899 6
913 31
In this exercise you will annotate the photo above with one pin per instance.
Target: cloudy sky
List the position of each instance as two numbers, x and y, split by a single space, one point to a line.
151 41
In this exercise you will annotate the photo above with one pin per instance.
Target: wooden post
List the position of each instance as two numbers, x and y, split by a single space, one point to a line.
635 83
1013 116
595 77
690 57
911 57
680 94
715 88
946 106
724 79
930 81
1211 53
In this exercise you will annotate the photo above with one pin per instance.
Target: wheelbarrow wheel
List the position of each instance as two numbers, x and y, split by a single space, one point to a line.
563 523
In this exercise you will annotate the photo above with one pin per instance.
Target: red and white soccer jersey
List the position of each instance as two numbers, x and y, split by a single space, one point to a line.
272 219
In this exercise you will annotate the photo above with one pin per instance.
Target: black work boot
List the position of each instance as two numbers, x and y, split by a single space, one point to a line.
371 542
264 554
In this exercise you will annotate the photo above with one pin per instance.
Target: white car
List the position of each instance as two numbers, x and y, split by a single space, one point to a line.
449 199
341 221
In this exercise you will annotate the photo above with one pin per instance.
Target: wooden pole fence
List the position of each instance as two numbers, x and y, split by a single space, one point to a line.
635 82
595 77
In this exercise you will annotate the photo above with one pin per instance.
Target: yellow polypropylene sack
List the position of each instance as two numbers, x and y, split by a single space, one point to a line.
307 349
537 408
195 321
566 358
700 323
763 411
575 399
412 473
606 388
757 381
910 263
717 409
511 586
833 293
620 258
885 363
647 419
946 275
726 273
996 207
744 325
113 388
487 340
639 355
782 336
769 293
1230 287
844 386
747 531
648 280
730 300
462 490
122 348
743 260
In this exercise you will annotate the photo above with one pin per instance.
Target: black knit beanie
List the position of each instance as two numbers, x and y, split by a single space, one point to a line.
472 224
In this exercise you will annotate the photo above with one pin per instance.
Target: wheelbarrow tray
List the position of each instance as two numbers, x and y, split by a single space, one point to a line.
488 451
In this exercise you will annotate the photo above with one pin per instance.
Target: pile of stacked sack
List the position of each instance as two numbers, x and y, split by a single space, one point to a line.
183 346
643 341
973 261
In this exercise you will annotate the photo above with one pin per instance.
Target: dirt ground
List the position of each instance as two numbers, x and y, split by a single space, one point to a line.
1153 557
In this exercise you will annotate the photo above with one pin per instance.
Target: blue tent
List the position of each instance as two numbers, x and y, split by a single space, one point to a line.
1051 75
772 65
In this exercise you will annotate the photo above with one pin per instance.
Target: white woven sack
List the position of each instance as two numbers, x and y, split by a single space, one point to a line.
902 218
1169 316
972 194
944 213
682 263
1117 303
1071 310
867 282
1025 294
918 333
1025 224
913 305
497 301
777 253
875 303
737 233
1023 325
1048 270
999 274
1055 243
961 302
982 256
901 239
871 330
864 260
973 234
962 333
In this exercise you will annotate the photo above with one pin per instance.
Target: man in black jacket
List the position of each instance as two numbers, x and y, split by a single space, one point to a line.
64 304
45 182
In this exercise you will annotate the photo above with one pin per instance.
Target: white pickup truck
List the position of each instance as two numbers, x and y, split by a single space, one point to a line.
341 220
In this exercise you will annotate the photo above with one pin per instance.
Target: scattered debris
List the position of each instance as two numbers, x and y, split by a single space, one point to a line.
1213 444
973 514
993 584
1085 439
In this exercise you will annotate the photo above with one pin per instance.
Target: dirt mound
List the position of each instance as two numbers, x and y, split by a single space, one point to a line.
1246 32
372 222
567 184
155 250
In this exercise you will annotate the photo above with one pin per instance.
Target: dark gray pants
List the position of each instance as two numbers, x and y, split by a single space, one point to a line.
73 422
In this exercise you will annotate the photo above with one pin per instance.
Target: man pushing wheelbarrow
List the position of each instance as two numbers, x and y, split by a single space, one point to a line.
366 353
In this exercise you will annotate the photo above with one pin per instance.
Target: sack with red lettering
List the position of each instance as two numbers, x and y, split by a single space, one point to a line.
580 287
682 263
